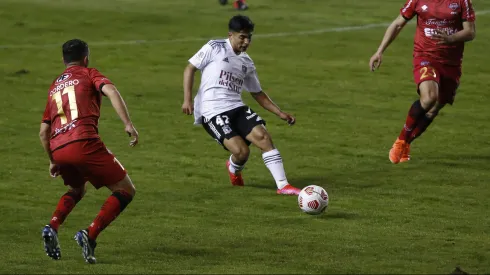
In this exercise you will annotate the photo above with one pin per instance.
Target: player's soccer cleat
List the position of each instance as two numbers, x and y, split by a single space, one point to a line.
288 190
88 246
240 5
397 150
236 180
51 244
406 153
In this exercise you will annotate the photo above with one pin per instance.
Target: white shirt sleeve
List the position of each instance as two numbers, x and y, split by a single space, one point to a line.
251 83
203 57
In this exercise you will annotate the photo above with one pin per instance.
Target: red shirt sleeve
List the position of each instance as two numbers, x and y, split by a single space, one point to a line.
467 11
98 79
408 10
47 113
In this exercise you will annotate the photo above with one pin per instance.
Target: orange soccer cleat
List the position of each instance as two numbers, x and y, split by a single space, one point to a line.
397 150
406 153
236 179
288 190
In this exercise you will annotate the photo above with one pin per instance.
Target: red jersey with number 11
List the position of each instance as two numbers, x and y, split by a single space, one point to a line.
73 107
445 15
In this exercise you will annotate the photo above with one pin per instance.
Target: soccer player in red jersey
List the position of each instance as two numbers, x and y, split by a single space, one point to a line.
443 27
69 135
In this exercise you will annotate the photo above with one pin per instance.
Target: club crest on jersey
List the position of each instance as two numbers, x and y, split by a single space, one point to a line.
63 77
244 69
454 6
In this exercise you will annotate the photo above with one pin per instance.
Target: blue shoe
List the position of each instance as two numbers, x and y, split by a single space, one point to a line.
88 246
51 244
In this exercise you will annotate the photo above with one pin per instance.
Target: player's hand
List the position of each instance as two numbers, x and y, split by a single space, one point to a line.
375 61
132 133
54 170
442 37
288 118
188 107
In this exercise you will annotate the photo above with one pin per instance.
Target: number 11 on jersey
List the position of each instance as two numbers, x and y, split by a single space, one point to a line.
72 101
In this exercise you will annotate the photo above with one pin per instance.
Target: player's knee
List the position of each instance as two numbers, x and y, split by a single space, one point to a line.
264 141
130 189
428 100
431 114
428 94
78 192
125 185
242 153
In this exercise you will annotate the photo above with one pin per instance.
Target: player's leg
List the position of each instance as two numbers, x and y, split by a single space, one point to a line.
424 123
416 118
103 169
239 155
219 128
74 179
427 80
272 159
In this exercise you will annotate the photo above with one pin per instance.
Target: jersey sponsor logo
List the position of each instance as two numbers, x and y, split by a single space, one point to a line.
230 81
65 128
424 63
251 116
63 77
435 22
425 8
454 6
64 85
429 31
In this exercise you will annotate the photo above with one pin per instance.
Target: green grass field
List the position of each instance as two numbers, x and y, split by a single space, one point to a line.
425 216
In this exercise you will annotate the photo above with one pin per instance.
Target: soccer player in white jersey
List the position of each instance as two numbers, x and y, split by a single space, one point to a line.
226 71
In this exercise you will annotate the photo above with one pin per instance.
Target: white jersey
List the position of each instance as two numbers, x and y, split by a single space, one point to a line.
224 76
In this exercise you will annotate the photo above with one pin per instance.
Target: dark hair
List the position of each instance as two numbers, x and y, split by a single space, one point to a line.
240 23
74 50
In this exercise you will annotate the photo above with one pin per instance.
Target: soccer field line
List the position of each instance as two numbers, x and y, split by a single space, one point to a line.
196 39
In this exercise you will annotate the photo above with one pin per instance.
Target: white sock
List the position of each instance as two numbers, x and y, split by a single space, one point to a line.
273 161
235 168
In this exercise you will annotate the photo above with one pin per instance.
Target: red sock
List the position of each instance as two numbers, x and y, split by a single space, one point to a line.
111 208
414 114
422 125
64 207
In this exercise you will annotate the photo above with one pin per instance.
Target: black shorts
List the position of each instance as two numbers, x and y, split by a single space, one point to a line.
236 122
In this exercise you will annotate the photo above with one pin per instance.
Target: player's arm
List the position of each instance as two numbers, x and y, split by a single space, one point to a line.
468 33
122 111
264 100
189 73
45 136
390 34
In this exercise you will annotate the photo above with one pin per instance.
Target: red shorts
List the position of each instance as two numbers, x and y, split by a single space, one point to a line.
88 160
446 76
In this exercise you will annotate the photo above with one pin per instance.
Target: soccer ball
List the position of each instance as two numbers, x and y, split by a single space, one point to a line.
313 200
